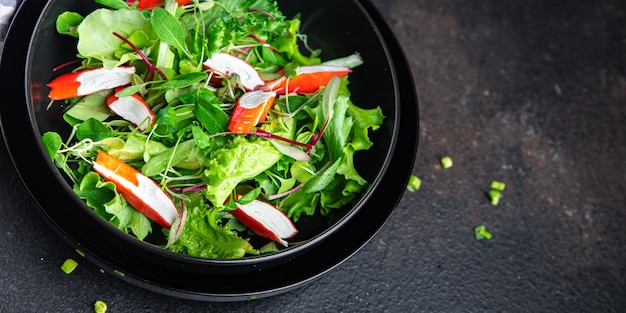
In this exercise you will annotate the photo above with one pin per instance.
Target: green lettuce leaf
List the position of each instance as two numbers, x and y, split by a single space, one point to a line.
91 106
242 160
204 236
95 33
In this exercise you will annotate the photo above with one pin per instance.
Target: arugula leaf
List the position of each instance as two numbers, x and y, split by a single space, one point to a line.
183 81
168 158
168 29
211 116
115 4
249 196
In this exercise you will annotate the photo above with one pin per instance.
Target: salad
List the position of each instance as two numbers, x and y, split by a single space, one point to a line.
206 127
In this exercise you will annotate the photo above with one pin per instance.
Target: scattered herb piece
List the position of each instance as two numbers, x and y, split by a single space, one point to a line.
100 306
69 266
446 162
414 183
494 196
497 185
480 232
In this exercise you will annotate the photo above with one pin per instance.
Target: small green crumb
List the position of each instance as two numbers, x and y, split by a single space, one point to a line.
69 266
269 248
494 196
414 183
100 306
446 162
119 273
480 232
497 185
81 253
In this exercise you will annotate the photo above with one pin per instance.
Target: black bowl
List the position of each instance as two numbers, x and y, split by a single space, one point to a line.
383 80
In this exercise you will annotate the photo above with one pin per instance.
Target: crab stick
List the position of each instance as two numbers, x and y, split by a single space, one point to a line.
151 4
227 65
265 220
308 79
251 109
141 192
88 81
131 108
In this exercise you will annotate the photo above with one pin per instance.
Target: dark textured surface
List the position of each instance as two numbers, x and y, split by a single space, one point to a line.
532 93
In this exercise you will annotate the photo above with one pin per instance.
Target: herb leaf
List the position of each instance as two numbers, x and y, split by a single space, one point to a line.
168 29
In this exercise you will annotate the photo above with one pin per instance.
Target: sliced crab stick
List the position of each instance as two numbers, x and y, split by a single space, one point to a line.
250 110
141 192
308 79
265 220
131 108
227 65
88 81
151 4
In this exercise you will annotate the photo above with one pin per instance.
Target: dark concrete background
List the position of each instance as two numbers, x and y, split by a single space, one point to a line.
532 93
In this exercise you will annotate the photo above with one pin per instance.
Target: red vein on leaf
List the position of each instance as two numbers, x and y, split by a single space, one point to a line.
265 43
268 14
151 67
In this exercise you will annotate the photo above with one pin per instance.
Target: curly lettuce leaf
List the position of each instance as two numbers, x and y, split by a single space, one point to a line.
205 236
242 160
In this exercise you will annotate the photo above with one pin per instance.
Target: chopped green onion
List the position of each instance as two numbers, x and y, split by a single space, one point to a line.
480 232
119 273
494 196
497 185
446 162
81 253
100 306
414 183
69 266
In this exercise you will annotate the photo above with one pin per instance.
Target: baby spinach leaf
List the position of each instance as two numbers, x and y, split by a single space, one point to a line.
52 142
94 130
67 23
